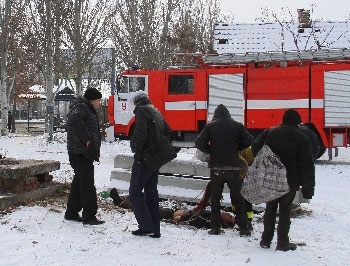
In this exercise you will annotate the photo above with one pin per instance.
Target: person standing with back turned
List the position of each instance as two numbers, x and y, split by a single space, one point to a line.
83 144
222 138
294 149
150 126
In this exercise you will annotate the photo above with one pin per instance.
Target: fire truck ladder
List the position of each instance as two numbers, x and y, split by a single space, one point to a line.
281 56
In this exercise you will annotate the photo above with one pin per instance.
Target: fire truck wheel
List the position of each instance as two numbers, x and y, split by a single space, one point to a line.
314 141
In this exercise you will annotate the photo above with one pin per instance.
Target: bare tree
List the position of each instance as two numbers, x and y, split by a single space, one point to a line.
5 14
43 33
296 29
84 33
135 31
148 32
193 30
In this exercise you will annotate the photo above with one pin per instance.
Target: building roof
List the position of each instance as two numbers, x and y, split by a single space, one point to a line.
285 36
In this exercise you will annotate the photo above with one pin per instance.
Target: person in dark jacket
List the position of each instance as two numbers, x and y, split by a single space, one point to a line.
150 127
83 144
223 138
294 149
9 121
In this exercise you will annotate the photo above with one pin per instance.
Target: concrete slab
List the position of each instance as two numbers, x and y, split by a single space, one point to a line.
177 166
186 174
173 181
43 191
16 168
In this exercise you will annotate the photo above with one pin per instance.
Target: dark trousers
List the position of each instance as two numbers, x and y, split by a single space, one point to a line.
144 197
82 194
284 204
232 179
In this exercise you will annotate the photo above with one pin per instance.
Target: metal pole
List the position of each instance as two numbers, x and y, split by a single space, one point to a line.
113 72
28 114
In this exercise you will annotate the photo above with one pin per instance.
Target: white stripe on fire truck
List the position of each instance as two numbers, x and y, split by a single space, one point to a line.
185 105
279 104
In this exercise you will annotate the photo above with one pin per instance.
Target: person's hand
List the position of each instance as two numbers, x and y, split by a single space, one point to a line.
307 194
87 143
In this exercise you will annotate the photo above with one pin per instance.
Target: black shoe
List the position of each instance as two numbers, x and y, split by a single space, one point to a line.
214 232
115 196
155 235
94 221
140 232
244 232
289 246
76 217
264 244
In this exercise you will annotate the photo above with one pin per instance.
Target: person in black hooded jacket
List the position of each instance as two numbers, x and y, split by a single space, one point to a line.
150 127
294 149
83 145
223 138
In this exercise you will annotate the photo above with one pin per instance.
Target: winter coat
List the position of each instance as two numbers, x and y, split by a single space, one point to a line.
83 126
222 138
294 149
150 127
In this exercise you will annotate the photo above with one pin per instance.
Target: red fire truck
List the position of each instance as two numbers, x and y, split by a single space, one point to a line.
256 88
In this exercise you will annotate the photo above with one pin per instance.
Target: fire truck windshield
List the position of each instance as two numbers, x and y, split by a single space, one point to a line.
131 84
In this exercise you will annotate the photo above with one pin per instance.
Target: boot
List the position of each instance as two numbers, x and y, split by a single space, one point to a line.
115 196
244 232
214 231
264 244
286 247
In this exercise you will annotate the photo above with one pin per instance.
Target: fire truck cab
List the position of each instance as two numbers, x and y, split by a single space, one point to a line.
256 88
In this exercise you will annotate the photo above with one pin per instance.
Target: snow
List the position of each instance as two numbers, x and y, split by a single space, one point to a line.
34 235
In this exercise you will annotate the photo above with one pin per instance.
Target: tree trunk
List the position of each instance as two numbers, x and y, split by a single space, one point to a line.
4 19
49 73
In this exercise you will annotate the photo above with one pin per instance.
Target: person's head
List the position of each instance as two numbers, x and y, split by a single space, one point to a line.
227 220
292 117
140 98
94 96
221 112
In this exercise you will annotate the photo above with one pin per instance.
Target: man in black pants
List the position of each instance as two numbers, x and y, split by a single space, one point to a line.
83 144
294 149
222 138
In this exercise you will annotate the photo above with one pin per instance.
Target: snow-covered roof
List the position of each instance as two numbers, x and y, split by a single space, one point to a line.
34 92
262 37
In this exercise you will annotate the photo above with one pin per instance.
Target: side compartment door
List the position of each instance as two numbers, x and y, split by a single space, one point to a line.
337 98
227 89
180 100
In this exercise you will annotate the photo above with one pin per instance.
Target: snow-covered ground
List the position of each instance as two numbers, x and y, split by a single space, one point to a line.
34 235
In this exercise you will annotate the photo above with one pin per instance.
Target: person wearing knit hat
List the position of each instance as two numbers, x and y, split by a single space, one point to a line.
83 145
150 127
140 98
294 148
92 94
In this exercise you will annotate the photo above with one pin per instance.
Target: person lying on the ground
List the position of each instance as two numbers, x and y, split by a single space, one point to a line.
198 216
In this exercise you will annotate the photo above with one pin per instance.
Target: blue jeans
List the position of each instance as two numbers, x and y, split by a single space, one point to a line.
144 197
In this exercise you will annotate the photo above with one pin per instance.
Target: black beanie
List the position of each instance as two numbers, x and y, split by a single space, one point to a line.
138 98
92 94
292 117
